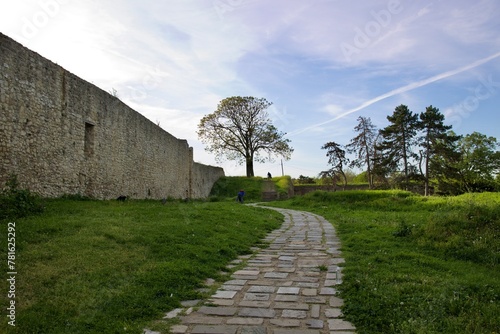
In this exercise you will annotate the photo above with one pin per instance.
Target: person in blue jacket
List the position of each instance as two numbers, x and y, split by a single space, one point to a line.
240 196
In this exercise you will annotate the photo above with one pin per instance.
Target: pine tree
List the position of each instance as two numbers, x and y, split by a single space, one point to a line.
363 146
435 140
398 139
336 158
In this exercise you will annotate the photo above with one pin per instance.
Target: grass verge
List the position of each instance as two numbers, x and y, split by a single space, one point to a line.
416 264
113 267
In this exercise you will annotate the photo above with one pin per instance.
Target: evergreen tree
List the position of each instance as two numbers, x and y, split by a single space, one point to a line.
363 146
336 158
435 140
379 170
398 139
444 164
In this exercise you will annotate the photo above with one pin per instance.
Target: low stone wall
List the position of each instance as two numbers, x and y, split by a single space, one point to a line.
203 178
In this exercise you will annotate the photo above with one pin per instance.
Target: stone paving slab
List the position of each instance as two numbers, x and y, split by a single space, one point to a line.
287 288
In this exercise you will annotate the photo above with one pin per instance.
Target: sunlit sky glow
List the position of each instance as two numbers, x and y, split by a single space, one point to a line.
322 63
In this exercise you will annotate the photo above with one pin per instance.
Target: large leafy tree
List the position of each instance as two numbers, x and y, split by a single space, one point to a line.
398 140
436 140
363 146
240 129
336 158
479 162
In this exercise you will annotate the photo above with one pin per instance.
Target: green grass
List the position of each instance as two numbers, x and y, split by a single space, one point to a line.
112 267
283 184
416 264
226 188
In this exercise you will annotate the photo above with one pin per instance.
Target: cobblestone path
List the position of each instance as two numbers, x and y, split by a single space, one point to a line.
286 288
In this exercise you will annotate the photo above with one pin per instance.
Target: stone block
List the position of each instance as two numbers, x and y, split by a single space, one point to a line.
309 292
333 313
257 313
224 294
178 329
253 330
231 287
288 291
328 291
262 289
336 302
286 298
339 324
236 282
245 321
316 324
256 296
296 331
246 273
221 311
221 302
295 314
315 311
285 322
207 329
174 313
315 300
276 275
291 306
257 304
330 282
191 320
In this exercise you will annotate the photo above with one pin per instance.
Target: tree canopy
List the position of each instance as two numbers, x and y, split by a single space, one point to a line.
241 130
419 149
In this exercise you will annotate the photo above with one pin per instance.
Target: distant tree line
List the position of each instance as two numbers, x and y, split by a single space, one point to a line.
417 150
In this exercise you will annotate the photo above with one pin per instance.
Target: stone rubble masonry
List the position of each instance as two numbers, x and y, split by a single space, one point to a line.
277 304
63 135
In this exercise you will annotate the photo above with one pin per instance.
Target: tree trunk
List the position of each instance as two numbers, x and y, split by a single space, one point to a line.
249 162
407 179
427 172
368 166
369 174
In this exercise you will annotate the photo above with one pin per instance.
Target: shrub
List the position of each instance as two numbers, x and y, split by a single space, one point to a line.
16 202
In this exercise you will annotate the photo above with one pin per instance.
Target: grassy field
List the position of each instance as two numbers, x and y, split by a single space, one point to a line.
416 264
113 267
413 264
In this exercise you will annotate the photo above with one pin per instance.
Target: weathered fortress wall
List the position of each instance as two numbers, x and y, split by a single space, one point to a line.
62 135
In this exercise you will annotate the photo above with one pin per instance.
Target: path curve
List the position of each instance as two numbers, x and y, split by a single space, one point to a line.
286 288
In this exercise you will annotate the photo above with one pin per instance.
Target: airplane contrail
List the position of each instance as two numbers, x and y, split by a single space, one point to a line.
400 90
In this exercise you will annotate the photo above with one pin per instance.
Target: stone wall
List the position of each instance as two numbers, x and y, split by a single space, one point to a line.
62 135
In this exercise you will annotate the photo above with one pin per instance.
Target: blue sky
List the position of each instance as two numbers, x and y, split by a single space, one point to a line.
322 63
